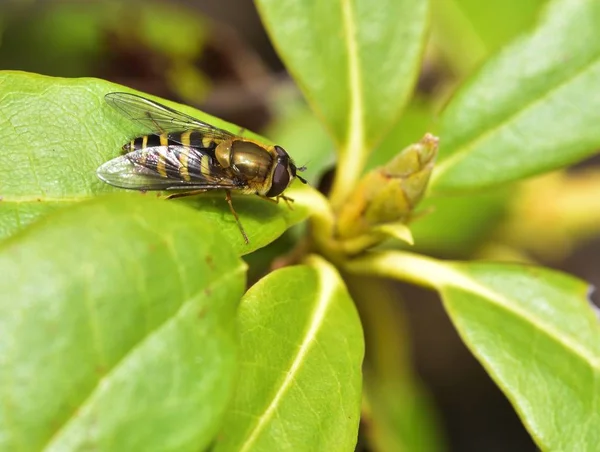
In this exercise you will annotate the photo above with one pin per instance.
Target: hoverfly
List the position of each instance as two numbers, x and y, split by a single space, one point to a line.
183 153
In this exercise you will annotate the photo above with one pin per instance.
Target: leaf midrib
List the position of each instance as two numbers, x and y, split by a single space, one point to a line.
356 113
460 281
543 327
327 289
87 399
406 266
448 163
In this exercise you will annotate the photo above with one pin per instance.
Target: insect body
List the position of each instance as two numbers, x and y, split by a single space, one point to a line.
186 154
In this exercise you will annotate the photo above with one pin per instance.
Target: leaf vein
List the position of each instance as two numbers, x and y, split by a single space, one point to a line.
464 148
316 321
459 281
99 383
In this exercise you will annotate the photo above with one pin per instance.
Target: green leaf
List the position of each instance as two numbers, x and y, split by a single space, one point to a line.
397 412
301 353
532 109
299 131
118 329
532 329
416 121
355 61
56 132
430 229
536 335
262 220
467 31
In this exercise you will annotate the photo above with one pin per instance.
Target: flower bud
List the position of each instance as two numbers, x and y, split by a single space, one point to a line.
390 193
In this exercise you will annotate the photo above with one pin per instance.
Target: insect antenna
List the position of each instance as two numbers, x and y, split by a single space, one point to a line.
301 169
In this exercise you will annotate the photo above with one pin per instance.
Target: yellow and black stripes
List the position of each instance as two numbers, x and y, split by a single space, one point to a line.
146 141
162 156
182 156
194 139
190 138
184 160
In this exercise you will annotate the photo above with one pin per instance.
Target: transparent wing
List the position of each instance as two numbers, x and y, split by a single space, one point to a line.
158 118
138 170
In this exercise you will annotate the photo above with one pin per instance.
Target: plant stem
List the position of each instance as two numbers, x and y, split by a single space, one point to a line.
347 173
353 151
405 266
400 416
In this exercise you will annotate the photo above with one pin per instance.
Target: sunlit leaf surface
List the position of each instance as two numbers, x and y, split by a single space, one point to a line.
533 330
351 58
356 62
301 353
531 109
56 132
118 329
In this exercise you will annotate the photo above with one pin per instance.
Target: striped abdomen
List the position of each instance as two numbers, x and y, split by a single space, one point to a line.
189 138
183 156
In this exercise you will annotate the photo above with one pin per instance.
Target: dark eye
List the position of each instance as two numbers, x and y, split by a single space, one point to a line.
280 151
281 180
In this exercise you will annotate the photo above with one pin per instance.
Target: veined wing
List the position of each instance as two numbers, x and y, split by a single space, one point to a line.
166 168
158 118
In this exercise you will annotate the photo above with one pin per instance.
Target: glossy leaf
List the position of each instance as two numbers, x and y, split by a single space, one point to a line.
537 337
532 329
355 61
531 109
117 319
56 132
270 257
262 220
301 353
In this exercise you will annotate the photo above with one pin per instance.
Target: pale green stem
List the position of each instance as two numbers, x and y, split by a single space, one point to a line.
395 400
348 172
405 266
353 152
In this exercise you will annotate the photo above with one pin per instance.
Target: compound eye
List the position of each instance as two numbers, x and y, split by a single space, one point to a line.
281 179
281 152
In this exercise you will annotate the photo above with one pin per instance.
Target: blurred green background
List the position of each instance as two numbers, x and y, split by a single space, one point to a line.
216 56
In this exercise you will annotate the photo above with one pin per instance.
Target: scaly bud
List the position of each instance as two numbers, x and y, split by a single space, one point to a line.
389 194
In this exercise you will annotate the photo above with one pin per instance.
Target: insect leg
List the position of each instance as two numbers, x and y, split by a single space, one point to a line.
276 201
287 200
185 193
235 215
